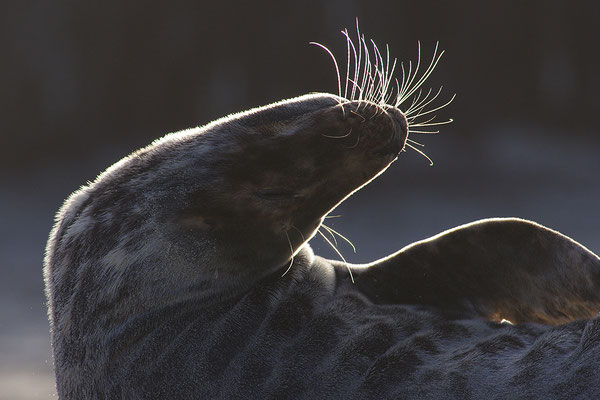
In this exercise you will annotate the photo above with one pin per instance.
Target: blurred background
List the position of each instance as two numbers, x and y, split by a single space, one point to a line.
83 83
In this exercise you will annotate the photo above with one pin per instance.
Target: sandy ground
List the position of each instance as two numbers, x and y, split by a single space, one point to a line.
513 172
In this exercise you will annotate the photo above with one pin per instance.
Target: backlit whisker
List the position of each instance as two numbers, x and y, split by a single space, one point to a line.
421 153
340 235
423 132
337 70
449 121
434 61
415 142
292 255
408 91
331 233
437 108
338 253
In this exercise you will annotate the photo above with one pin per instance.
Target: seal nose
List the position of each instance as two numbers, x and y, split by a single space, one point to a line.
401 125
400 119
395 142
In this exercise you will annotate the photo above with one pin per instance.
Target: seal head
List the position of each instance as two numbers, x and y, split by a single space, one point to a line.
258 184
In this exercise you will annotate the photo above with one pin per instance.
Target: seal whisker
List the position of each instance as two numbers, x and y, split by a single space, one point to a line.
379 70
423 132
390 90
337 70
347 68
358 64
340 235
417 107
414 103
368 71
355 144
417 111
350 43
371 83
292 255
435 59
415 142
428 71
356 86
420 114
411 120
449 121
300 232
409 80
421 153
361 116
397 87
401 88
367 78
339 254
338 137
330 232
387 71
363 67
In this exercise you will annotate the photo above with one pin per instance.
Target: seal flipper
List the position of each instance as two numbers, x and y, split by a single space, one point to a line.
504 268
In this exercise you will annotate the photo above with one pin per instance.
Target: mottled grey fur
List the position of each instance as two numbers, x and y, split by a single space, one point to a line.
166 278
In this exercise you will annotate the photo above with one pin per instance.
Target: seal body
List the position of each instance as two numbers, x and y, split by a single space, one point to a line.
183 271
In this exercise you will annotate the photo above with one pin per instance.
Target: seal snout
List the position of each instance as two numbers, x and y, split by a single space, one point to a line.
399 118
399 133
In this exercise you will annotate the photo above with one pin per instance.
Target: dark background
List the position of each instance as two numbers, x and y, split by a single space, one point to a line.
83 83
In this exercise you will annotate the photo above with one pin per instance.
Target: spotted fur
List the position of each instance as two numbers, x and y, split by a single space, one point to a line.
169 276
183 271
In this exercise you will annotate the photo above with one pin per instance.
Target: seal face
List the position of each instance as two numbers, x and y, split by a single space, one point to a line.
183 271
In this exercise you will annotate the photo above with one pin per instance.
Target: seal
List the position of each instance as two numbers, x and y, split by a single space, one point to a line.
183 271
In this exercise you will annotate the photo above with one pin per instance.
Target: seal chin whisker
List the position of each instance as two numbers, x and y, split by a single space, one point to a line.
338 253
420 152
331 231
449 121
300 232
423 132
291 253
415 142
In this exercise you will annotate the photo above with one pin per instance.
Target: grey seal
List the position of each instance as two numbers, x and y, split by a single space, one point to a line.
183 272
